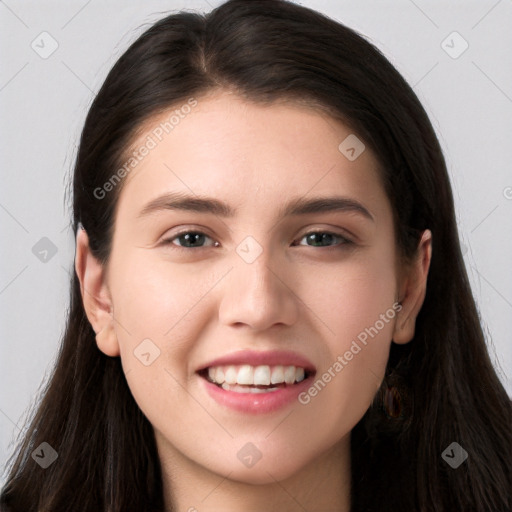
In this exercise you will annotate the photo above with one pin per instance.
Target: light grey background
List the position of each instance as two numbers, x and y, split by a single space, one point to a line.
43 104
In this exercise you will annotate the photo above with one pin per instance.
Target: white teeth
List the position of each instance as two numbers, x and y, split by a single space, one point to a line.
263 375
277 376
219 375
230 375
289 374
245 375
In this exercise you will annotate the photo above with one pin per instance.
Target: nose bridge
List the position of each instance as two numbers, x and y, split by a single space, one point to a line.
259 270
256 292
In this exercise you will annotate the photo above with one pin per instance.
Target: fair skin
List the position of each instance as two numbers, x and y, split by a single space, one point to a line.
198 303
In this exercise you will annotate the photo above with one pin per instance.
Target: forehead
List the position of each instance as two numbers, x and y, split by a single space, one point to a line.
247 153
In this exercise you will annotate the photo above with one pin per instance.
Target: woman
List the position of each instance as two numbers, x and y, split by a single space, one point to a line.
319 348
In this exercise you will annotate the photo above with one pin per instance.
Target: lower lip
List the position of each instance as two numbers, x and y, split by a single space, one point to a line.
256 403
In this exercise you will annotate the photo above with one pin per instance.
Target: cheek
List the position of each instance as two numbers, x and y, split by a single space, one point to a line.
146 294
351 373
154 299
356 304
161 302
352 296
159 316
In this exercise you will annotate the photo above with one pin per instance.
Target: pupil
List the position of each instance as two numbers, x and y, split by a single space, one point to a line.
321 236
190 237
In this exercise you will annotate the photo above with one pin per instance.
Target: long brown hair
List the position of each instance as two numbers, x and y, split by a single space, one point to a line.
440 388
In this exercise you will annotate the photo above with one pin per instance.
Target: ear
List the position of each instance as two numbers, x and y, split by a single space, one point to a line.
413 289
95 295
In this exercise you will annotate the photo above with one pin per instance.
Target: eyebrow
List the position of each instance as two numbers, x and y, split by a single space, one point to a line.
299 206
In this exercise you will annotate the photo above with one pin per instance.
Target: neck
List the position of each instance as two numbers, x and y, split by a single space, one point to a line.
320 486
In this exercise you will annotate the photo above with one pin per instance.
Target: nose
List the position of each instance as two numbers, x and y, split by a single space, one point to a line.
259 294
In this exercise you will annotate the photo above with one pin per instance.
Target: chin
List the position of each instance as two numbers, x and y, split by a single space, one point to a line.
262 476
262 472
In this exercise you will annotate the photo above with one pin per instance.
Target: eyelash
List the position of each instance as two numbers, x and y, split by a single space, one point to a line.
345 240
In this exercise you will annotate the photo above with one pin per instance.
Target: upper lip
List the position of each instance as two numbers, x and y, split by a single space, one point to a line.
259 358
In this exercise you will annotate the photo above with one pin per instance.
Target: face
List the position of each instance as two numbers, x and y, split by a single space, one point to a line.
251 290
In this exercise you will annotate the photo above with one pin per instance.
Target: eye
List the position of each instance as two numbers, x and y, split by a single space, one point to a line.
188 239
195 239
318 237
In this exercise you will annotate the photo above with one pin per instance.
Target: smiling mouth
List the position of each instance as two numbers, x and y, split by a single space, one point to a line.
246 378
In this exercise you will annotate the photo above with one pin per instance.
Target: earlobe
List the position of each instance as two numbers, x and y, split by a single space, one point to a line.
413 291
95 295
